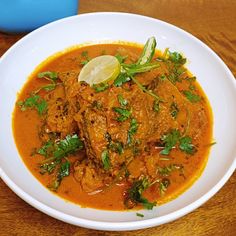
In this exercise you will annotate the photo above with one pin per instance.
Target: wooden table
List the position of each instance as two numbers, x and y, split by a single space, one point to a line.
213 22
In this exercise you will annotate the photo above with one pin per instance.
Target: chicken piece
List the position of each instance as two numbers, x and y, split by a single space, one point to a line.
59 117
90 178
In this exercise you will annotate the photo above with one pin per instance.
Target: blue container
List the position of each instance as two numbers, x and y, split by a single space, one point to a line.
26 15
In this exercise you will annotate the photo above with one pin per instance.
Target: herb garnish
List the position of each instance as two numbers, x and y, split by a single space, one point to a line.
156 105
185 144
100 87
113 145
176 57
164 184
55 153
139 214
167 170
132 130
85 57
121 79
61 148
172 138
191 96
143 64
123 102
64 171
50 76
124 114
120 58
34 102
135 192
105 159
174 62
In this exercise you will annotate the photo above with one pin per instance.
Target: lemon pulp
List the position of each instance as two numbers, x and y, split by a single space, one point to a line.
100 69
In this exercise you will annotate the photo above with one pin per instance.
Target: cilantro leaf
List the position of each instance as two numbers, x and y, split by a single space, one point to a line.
170 140
34 102
186 145
67 146
49 75
105 159
63 172
121 79
48 167
116 146
56 152
132 130
167 170
134 195
49 87
100 87
62 148
123 102
164 184
120 58
139 214
124 113
176 57
191 96
156 105
47 149
85 57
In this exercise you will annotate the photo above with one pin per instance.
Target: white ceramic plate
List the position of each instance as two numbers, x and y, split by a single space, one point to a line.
213 75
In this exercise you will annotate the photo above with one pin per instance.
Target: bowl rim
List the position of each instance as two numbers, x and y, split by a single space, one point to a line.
131 225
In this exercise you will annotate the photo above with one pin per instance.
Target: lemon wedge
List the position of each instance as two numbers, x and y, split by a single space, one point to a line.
100 69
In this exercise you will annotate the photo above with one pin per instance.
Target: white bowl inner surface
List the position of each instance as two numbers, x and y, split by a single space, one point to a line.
212 74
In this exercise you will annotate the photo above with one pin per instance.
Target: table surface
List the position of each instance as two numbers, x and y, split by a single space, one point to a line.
213 22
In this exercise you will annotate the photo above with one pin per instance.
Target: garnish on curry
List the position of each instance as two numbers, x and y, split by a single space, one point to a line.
134 139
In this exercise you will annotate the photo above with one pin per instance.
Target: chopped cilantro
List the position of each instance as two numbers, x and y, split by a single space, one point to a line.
67 146
34 102
139 214
49 75
100 87
64 171
191 96
176 57
120 58
185 144
135 192
170 139
47 149
164 184
61 148
56 152
124 113
167 170
85 58
156 105
123 102
105 159
132 130
121 79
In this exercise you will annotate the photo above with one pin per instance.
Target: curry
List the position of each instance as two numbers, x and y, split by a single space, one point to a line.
135 140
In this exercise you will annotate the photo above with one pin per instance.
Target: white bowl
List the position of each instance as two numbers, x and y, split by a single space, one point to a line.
213 75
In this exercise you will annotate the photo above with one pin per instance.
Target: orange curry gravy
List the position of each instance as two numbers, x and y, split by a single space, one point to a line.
27 125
